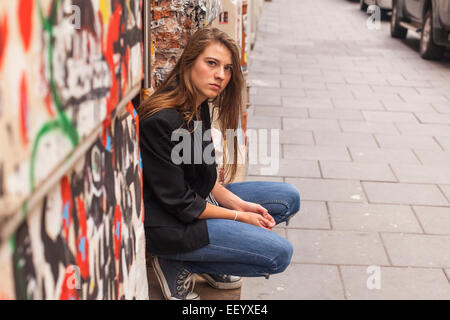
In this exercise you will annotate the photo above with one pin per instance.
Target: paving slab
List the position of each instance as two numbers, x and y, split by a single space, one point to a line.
304 102
283 92
435 220
301 71
398 106
344 139
383 155
338 114
312 93
324 78
311 124
384 98
329 190
446 190
422 173
342 103
296 137
315 152
337 247
265 68
442 130
368 127
302 84
394 283
385 116
264 122
356 171
265 100
429 157
407 141
312 215
394 90
433 118
288 168
431 98
444 142
404 193
373 217
441 107
268 83
350 87
418 250
297 282
281 112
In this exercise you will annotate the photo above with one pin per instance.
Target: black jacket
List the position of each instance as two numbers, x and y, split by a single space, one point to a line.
174 194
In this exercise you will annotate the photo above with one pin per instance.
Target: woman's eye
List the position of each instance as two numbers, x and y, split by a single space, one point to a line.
212 63
228 68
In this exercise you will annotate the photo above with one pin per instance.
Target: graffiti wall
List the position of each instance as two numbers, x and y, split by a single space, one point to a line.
172 23
68 70
64 67
85 240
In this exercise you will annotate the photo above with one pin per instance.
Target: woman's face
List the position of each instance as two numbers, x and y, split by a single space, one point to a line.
211 71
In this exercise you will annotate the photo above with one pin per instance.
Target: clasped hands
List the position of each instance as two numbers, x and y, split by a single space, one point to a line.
253 213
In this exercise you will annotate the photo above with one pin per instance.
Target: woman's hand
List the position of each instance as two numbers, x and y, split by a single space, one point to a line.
257 208
255 219
229 200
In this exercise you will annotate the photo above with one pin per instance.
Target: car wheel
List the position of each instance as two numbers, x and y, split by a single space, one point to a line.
428 49
385 15
362 5
397 31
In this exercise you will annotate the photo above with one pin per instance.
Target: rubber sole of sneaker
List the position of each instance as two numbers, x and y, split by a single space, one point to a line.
163 283
221 285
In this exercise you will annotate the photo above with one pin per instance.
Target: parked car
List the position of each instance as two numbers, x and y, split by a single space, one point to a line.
385 5
429 17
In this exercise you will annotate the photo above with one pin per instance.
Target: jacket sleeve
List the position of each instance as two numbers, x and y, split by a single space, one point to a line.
162 175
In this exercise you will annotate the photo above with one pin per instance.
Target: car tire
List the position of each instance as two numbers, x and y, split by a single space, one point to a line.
428 49
363 6
397 31
385 15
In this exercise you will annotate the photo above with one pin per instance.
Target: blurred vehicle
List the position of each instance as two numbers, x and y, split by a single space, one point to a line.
429 17
385 5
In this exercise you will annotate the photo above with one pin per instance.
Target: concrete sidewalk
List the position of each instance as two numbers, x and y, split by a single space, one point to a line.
365 137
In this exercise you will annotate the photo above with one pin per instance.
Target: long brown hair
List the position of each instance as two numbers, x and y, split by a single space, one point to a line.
177 91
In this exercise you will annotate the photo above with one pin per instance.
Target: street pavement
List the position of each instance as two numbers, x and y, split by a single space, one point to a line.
364 134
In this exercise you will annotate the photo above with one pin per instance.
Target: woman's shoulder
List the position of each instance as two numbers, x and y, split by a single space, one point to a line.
168 116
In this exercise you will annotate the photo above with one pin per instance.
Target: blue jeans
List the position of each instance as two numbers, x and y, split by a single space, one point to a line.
241 249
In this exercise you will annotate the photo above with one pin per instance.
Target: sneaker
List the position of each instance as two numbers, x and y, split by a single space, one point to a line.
175 280
222 281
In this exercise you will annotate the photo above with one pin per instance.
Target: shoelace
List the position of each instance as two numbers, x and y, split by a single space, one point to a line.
224 277
188 280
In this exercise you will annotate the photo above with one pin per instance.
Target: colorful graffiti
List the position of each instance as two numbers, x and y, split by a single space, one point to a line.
86 239
66 69
74 76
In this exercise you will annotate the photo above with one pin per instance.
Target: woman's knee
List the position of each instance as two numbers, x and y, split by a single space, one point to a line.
282 260
293 197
